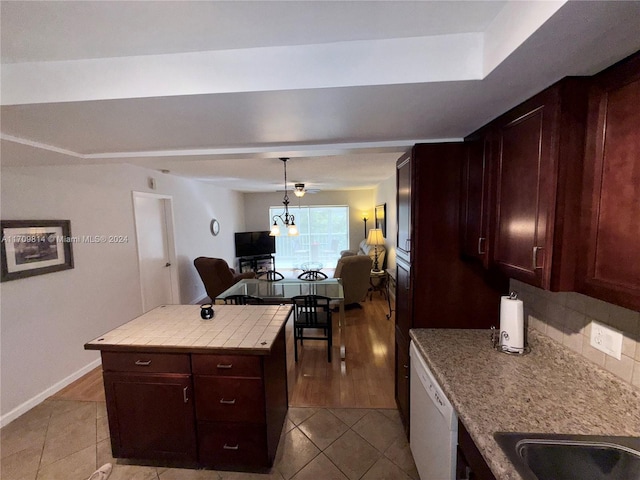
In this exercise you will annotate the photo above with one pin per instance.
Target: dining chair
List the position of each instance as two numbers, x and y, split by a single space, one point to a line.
312 275
242 300
270 276
312 312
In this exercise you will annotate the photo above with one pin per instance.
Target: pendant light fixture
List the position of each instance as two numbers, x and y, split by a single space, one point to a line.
299 190
285 217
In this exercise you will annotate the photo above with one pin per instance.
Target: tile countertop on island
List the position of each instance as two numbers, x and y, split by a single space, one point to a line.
243 329
549 390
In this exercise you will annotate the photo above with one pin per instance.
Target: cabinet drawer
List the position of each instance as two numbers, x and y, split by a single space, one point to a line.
229 399
228 443
146 362
227 365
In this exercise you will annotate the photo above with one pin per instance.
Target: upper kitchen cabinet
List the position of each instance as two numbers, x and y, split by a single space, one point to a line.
538 155
611 194
476 198
403 184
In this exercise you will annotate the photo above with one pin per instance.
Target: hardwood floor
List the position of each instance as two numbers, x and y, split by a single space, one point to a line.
88 388
364 379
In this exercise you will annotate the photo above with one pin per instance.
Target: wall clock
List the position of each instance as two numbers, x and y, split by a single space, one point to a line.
215 227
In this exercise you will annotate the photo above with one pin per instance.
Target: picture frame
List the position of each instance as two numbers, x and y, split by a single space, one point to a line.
34 247
381 218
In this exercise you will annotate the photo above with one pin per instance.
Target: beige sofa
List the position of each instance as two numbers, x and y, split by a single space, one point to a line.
364 249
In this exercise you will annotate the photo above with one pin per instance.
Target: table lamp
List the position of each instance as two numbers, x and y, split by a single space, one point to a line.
375 238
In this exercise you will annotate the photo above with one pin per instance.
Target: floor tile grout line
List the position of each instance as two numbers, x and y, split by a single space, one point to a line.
316 411
382 453
44 442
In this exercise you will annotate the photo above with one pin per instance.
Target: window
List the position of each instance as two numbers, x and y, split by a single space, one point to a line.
324 232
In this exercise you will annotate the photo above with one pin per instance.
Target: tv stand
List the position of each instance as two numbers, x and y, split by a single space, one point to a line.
257 263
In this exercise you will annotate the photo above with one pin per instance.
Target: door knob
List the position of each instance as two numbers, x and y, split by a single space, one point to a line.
167 264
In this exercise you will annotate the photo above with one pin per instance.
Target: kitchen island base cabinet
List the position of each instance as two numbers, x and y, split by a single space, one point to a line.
232 444
150 405
150 416
215 410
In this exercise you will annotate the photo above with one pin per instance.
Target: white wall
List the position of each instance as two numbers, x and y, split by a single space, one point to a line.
257 205
45 320
257 210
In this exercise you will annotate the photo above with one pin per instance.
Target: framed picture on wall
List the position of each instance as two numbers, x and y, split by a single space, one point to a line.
381 218
34 247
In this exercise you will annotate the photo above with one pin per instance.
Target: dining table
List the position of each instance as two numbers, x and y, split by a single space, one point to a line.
282 291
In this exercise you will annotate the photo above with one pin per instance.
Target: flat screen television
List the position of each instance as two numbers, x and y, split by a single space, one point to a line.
249 244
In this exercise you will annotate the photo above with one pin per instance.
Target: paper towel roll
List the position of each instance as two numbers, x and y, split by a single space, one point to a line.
511 324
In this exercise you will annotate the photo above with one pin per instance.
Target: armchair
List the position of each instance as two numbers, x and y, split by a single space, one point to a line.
354 270
366 249
217 276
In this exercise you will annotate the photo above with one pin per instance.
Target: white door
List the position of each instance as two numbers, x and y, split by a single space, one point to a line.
156 252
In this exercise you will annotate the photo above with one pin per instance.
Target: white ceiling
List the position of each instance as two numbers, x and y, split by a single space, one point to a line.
219 90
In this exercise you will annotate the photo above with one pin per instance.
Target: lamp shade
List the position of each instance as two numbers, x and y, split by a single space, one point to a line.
375 237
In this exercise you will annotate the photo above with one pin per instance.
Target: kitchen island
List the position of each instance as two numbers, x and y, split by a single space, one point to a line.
201 392
549 390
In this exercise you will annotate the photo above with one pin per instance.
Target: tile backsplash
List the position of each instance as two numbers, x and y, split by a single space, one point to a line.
566 317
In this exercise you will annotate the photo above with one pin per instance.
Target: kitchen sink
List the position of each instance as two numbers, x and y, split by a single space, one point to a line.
572 457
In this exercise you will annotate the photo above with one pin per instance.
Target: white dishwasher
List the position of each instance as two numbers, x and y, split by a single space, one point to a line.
433 425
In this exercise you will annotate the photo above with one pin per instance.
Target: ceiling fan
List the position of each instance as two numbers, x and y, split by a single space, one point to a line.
299 190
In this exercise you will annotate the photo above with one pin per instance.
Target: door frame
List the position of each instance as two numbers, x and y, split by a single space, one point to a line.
167 202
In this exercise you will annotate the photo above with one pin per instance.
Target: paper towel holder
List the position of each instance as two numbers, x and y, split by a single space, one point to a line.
495 344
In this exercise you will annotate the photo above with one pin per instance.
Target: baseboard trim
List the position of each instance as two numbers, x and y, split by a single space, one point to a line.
41 397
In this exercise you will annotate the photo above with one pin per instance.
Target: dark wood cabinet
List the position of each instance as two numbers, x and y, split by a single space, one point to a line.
216 410
403 184
150 413
611 195
435 287
470 465
241 403
403 298
402 379
476 202
540 146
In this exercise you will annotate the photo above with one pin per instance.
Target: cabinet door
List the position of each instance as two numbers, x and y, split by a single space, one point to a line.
403 298
470 462
475 206
612 188
525 192
402 380
403 180
151 416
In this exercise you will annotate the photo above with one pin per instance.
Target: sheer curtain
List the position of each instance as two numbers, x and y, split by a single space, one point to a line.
324 232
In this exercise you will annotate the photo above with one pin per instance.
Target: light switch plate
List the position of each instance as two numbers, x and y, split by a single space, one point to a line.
606 339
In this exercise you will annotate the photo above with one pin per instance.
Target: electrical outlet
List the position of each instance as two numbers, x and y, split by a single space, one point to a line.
606 339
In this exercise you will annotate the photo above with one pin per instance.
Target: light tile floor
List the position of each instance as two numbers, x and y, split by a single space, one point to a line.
68 440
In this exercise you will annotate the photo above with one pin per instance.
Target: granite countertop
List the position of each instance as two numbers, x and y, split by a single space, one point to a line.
549 390
246 329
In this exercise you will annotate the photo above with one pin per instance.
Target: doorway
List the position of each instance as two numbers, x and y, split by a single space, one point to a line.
153 216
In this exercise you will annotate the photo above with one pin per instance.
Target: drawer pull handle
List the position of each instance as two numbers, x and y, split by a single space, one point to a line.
227 366
228 402
143 363
228 447
185 397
